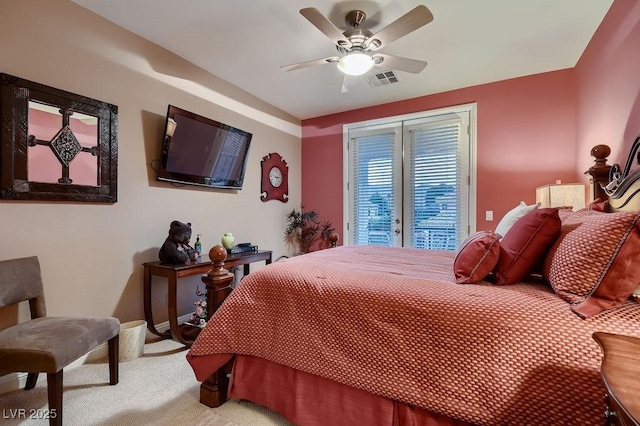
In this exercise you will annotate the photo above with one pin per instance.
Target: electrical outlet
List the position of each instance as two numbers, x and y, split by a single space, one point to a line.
489 215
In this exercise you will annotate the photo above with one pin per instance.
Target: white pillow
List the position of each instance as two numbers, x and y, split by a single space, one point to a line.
513 215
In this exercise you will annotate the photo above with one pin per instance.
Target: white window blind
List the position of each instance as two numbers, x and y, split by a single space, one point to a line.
435 190
374 177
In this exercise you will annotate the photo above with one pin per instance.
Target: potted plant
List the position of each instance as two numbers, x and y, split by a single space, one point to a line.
304 229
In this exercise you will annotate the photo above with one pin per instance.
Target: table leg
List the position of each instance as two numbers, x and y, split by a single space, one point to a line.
148 313
174 328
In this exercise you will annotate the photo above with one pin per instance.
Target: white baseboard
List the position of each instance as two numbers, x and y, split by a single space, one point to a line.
14 381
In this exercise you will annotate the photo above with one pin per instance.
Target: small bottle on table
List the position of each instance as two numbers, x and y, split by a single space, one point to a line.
198 246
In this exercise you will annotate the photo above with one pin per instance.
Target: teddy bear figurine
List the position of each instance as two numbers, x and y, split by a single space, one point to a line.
176 249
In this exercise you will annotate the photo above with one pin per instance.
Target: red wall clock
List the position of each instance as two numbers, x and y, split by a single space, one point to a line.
275 178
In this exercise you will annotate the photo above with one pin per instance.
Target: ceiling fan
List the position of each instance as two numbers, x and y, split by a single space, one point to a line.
358 48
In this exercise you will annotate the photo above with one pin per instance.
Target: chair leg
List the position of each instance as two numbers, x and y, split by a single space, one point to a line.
32 379
114 359
54 389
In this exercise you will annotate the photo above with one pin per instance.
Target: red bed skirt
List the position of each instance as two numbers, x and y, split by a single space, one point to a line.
309 400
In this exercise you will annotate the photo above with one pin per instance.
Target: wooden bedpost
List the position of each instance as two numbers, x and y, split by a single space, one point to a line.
213 391
599 172
333 238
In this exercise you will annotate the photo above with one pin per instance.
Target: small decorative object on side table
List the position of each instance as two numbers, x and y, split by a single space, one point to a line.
227 240
199 317
621 375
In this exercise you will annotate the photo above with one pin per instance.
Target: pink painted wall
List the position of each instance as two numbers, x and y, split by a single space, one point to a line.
525 138
608 85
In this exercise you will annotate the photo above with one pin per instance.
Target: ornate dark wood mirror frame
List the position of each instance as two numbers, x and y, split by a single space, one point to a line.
16 96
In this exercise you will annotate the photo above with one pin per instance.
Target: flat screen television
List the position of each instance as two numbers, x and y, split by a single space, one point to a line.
197 150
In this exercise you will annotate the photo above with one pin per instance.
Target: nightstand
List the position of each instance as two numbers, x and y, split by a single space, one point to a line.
620 371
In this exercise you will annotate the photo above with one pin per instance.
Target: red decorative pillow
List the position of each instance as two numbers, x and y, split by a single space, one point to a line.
476 257
569 223
594 263
526 244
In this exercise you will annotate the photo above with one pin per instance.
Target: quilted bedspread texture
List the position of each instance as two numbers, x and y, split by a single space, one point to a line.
393 322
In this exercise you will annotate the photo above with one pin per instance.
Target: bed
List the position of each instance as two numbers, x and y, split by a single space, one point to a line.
397 336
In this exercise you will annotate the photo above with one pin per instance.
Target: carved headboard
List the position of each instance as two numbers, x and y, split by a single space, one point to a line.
619 187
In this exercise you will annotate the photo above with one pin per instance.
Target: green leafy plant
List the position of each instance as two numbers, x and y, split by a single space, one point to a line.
304 229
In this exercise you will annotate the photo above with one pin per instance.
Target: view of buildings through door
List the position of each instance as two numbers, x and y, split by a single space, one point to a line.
409 180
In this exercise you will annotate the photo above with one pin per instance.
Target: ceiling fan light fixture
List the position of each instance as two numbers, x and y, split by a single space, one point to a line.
355 63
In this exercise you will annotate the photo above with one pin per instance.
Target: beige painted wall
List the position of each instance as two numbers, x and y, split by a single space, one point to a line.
91 254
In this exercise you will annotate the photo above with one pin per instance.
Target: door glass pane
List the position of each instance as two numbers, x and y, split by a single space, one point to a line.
374 200
434 182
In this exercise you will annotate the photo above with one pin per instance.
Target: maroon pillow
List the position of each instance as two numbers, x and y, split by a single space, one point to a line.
526 244
476 257
599 205
594 263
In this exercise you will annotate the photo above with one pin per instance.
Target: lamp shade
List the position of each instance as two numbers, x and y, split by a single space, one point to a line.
560 195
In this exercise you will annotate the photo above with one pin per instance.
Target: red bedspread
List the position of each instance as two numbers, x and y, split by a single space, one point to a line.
393 322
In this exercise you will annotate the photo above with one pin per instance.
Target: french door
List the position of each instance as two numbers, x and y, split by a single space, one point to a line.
409 181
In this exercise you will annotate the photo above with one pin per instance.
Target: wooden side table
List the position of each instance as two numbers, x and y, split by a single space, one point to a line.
172 273
621 375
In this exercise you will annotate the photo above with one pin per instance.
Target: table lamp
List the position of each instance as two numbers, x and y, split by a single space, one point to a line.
561 194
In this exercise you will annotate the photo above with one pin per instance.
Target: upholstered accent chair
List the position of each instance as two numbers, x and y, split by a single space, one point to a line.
47 344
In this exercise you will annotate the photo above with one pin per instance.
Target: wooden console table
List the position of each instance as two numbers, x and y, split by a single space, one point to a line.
172 273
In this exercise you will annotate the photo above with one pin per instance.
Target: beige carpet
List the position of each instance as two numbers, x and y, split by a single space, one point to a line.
159 388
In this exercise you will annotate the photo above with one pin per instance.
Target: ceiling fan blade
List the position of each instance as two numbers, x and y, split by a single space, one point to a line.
348 82
413 66
410 21
323 24
308 64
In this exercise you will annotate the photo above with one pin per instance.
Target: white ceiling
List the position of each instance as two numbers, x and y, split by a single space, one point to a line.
469 42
